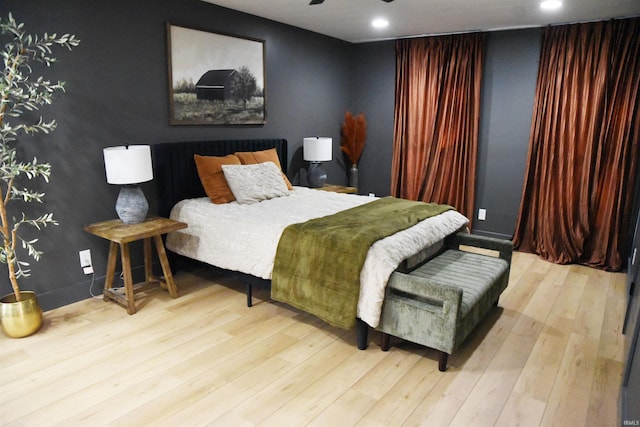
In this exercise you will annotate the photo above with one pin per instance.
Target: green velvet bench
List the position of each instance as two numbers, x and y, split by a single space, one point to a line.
440 302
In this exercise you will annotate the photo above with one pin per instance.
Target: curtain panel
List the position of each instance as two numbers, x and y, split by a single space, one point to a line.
583 148
437 113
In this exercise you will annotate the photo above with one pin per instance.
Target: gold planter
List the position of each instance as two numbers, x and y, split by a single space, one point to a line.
23 318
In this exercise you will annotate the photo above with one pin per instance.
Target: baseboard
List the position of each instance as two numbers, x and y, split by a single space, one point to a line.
492 234
80 291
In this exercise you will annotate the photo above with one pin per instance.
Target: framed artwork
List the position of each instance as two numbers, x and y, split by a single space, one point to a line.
215 79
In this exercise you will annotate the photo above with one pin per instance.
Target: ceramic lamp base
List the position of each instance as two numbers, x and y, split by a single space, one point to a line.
132 206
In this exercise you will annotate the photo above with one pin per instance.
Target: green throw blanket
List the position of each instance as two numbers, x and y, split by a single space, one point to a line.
318 262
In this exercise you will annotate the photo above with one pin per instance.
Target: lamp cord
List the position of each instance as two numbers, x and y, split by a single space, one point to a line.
93 278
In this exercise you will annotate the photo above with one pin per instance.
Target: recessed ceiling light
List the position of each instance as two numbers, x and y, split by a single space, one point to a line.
380 23
550 4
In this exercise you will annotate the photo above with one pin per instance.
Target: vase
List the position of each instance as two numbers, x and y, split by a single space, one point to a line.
20 318
353 176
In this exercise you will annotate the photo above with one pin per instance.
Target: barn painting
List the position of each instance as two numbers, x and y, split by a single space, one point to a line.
215 79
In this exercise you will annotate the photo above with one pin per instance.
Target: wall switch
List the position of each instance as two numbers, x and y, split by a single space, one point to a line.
85 258
482 214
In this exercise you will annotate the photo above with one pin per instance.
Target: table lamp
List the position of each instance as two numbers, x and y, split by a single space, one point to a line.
128 166
315 150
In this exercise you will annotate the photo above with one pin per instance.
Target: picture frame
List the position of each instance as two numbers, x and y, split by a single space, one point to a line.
215 78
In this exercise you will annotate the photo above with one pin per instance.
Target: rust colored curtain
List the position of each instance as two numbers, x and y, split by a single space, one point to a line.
583 149
437 118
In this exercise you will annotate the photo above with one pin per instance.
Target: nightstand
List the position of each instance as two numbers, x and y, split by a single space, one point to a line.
338 189
120 235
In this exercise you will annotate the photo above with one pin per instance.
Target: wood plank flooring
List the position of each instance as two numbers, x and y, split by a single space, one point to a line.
552 354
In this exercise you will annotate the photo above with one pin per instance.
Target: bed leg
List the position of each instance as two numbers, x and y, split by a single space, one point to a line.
249 302
363 334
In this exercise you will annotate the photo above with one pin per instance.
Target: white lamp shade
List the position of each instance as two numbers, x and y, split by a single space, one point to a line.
317 149
128 165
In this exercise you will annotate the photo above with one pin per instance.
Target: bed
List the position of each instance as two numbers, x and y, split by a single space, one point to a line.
244 238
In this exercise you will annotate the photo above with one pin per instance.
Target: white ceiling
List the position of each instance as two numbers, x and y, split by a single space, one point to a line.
350 20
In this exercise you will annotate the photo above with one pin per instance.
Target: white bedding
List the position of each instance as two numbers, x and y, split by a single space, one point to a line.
245 237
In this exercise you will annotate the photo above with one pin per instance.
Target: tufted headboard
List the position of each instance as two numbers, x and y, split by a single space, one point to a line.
175 171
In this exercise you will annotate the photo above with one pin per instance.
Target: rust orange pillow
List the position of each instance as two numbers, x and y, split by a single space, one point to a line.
212 177
270 155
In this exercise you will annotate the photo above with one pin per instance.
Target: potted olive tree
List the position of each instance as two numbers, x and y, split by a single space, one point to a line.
20 93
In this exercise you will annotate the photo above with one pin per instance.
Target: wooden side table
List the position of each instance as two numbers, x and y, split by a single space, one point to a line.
338 189
120 235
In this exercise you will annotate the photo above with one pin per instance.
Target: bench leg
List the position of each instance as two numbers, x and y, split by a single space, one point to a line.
384 345
442 362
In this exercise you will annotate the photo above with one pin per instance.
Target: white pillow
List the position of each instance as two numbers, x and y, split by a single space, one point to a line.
254 183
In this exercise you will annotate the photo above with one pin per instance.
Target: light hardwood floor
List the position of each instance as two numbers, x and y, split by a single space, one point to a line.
552 354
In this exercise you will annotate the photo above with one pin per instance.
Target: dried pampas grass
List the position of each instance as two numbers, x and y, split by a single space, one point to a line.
354 135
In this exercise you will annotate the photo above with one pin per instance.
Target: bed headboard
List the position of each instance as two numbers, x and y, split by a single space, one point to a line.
175 171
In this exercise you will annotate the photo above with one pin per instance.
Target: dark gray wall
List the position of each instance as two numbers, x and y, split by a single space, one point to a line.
508 89
373 83
117 94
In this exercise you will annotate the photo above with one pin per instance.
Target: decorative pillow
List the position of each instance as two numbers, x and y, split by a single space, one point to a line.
270 155
254 183
212 178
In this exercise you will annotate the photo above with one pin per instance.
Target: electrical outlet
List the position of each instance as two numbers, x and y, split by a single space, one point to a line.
85 258
482 214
